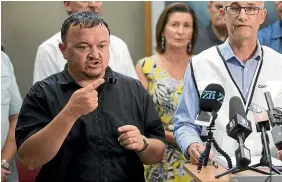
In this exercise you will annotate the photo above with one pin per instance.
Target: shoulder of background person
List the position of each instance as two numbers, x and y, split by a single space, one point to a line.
203 40
151 59
117 42
265 33
52 41
5 60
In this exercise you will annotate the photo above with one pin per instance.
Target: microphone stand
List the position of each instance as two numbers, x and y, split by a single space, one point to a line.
266 156
205 155
243 165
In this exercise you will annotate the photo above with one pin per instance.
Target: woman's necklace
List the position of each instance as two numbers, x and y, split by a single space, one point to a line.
177 74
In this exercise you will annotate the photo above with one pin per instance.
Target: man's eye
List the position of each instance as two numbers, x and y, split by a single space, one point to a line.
219 6
234 8
251 8
83 47
101 46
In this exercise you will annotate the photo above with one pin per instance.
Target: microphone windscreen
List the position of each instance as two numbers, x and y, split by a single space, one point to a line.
112 80
236 107
212 98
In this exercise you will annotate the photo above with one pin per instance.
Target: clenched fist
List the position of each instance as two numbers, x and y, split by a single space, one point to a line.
130 138
84 100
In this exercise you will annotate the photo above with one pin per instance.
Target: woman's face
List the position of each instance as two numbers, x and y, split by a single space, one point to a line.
178 31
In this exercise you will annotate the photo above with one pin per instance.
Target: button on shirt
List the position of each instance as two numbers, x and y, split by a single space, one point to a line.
91 152
271 36
10 105
185 130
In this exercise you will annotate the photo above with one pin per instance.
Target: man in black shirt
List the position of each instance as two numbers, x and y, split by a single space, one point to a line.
88 123
215 33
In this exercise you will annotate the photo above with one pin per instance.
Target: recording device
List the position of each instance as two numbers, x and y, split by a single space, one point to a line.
239 128
276 128
210 101
111 80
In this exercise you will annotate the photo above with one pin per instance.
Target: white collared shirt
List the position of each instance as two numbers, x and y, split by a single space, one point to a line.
49 59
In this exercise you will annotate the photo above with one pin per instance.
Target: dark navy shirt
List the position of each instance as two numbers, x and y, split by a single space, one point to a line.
206 39
91 152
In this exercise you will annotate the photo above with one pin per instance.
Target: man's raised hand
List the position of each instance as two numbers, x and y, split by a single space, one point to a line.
84 100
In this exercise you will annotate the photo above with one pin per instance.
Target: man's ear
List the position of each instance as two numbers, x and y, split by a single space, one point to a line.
209 6
63 49
222 13
263 15
67 6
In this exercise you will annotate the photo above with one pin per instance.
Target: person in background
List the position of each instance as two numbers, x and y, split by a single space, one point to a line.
240 65
215 33
10 107
271 36
49 59
2 47
162 75
88 122
279 153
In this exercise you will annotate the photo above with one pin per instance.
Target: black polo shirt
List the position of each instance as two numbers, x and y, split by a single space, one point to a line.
206 39
91 151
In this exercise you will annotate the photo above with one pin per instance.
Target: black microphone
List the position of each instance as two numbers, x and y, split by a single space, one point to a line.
239 128
276 128
111 80
210 101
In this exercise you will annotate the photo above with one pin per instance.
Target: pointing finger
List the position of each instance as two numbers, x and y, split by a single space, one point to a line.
94 85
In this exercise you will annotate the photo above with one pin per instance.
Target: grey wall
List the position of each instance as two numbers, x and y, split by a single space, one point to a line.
25 25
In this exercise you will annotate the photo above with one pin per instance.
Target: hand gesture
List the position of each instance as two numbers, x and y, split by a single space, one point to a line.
85 100
130 138
195 151
4 174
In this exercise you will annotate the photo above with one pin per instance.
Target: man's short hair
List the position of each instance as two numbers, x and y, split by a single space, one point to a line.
84 19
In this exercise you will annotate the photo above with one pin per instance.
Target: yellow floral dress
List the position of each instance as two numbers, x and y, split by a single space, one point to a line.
165 91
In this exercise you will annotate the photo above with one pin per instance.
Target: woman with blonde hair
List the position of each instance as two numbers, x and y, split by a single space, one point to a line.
162 75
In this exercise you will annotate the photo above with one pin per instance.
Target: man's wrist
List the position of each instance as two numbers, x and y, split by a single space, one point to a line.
146 144
68 112
5 164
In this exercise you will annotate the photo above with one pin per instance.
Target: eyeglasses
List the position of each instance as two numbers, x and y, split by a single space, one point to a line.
233 10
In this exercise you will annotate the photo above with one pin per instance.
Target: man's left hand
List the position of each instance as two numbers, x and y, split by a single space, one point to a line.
279 153
130 138
4 174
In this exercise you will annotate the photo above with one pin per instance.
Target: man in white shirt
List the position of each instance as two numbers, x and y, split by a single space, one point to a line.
49 59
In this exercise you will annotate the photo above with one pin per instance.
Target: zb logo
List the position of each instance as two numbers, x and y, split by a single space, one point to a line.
212 95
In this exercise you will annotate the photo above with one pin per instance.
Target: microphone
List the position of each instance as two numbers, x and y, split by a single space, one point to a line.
239 128
210 101
111 80
276 128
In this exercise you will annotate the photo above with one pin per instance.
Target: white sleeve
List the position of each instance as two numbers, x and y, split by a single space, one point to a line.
45 64
128 63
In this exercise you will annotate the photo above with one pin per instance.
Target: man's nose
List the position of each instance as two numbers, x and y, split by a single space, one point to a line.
243 14
94 53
